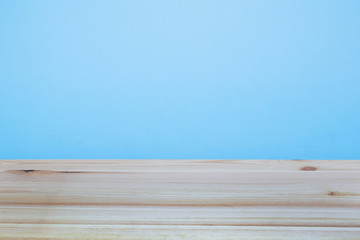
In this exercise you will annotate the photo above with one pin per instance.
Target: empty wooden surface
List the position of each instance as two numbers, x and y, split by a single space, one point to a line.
180 199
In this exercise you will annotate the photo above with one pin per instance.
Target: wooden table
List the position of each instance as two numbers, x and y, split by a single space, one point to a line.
180 199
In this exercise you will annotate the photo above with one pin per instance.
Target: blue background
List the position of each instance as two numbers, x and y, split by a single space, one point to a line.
180 79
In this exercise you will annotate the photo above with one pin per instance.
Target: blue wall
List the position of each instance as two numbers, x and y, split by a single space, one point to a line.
180 79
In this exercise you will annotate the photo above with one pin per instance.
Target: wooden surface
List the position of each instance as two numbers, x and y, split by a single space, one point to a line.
180 199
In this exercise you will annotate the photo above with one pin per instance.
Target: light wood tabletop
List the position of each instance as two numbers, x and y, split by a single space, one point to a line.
180 199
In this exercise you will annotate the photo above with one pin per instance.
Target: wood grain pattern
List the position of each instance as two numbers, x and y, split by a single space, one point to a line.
180 199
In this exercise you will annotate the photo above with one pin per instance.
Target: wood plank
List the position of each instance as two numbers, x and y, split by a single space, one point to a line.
154 232
179 199
181 165
182 215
